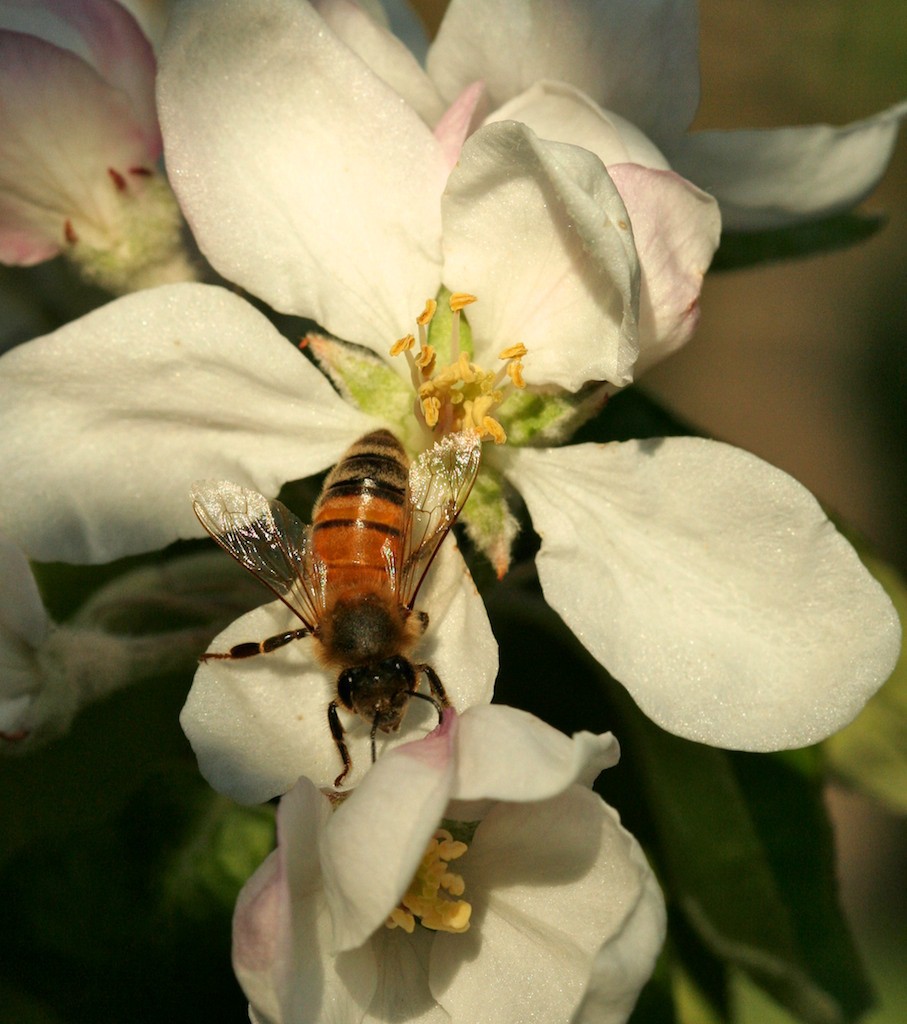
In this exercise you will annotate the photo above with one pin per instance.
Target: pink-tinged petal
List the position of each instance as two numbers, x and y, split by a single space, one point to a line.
711 585
109 420
497 742
554 886
281 929
390 59
459 121
676 228
772 178
561 113
103 33
378 835
107 36
258 724
636 57
61 129
305 178
539 233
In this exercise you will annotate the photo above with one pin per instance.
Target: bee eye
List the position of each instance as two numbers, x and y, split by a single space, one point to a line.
345 687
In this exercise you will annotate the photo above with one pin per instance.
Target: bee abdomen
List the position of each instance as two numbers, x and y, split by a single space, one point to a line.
361 508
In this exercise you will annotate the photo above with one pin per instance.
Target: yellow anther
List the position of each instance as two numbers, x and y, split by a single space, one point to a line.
402 345
431 410
425 317
428 898
515 373
402 918
494 430
425 358
516 351
460 300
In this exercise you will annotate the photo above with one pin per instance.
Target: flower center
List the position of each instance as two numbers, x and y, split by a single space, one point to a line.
460 395
429 897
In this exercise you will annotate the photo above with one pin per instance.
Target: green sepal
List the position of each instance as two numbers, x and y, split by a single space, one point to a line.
871 752
748 249
533 417
490 524
363 379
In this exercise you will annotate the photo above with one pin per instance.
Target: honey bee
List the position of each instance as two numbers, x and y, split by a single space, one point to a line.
353 576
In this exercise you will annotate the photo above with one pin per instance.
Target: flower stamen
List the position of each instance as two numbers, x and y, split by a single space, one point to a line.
461 395
429 897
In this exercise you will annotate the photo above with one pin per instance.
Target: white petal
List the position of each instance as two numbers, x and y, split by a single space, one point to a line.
378 835
560 113
258 724
626 961
110 419
551 883
507 754
711 585
385 54
676 228
637 57
403 993
305 178
776 177
281 929
539 233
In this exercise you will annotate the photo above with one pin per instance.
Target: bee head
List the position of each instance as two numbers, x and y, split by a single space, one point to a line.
379 692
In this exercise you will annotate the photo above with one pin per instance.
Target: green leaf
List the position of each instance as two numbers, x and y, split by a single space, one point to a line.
745 852
748 249
871 752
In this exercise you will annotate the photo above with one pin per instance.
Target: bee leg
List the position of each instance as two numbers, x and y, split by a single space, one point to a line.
434 684
247 650
337 732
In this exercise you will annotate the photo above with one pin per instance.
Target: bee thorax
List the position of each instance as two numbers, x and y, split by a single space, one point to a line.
362 629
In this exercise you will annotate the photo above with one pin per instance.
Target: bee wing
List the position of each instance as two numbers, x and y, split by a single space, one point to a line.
267 539
440 480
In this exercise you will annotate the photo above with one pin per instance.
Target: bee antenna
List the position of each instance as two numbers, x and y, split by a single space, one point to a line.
372 735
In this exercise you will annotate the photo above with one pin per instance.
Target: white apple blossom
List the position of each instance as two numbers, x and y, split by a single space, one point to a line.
79 145
743 623
366 913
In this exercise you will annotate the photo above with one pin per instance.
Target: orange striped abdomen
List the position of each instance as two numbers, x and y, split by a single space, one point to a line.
361 509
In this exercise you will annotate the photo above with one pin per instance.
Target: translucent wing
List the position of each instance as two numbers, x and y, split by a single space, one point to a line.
439 484
267 539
